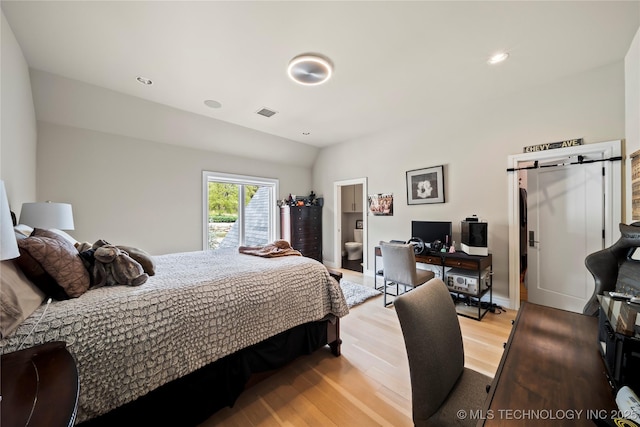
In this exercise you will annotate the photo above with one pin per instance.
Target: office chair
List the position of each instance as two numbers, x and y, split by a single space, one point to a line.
399 262
613 268
440 384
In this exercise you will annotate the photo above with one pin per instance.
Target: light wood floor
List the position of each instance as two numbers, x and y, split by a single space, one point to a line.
368 385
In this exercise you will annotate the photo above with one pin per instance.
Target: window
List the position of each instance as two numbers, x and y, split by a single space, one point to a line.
238 210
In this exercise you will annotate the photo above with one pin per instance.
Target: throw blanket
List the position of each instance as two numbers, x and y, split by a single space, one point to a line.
199 307
276 249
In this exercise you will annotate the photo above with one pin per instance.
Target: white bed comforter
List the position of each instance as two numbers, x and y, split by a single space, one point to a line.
199 307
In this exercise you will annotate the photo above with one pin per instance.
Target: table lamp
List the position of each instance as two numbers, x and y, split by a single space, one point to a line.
47 215
8 243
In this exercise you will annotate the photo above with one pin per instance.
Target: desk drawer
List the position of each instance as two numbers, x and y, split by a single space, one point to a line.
461 263
429 259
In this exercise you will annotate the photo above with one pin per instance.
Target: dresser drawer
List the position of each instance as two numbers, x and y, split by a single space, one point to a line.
300 235
315 254
308 247
468 264
306 229
306 214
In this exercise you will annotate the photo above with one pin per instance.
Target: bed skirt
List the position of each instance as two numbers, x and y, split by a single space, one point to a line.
190 400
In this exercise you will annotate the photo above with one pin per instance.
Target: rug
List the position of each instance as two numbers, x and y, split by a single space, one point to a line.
355 293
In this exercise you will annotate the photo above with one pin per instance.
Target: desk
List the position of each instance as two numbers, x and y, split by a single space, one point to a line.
478 267
551 363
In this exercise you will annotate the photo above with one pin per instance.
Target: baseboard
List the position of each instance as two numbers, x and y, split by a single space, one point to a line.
331 264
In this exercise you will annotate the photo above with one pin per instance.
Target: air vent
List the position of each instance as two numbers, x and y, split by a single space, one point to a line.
264 111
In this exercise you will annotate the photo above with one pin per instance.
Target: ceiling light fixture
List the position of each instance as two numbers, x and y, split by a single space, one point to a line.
310 69
498 58
145 81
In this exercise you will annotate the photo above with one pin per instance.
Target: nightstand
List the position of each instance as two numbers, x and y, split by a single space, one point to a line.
39 387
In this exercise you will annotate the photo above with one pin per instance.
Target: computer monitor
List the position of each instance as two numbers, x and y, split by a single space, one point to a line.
429 231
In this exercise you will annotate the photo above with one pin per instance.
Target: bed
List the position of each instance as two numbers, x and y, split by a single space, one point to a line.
187 340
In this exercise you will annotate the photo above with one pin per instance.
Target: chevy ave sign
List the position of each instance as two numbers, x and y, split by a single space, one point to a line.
553 145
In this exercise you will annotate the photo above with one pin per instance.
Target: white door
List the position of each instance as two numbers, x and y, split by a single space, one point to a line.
566 223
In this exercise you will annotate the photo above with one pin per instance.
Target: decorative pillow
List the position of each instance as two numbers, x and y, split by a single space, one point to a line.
37 274
60 259
145 260
18 298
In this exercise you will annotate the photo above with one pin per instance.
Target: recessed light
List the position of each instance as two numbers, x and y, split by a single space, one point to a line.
310 69
144 81
498 58
213 104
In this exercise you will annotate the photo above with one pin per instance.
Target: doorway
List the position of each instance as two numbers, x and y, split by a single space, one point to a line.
350 222
559 191
566 213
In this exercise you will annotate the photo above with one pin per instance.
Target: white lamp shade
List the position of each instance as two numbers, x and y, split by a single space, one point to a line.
47 215
8 244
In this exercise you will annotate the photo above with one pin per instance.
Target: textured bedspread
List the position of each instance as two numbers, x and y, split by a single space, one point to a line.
199 307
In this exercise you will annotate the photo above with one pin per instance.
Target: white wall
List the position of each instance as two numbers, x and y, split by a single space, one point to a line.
18 135
473 143
73 103
138 192
632 113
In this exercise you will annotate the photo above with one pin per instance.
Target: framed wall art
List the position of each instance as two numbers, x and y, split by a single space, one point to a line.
425 185
380 204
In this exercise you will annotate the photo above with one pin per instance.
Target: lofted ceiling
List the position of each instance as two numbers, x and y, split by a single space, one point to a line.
395 62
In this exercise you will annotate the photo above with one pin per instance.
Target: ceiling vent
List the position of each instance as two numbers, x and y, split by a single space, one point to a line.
264 111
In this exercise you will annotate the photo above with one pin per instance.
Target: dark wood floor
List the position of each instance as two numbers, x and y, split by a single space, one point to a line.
352 265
